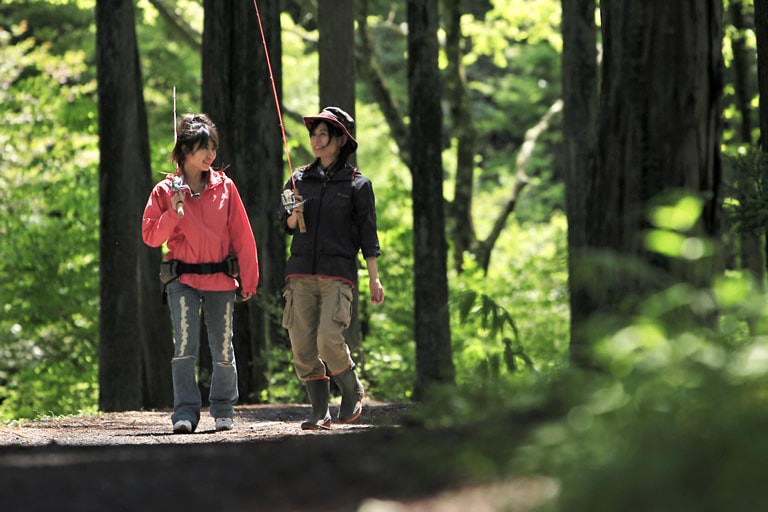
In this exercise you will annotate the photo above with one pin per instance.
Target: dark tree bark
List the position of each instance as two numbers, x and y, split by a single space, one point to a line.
741 70
761 33
659 132
434 364
462 229
135 333
745 187
579 71
336 51
237 94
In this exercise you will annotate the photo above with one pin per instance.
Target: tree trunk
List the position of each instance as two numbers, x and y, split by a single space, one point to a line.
741 70
336 50
752 257
659 133
238 95
135 333
579 71
761 34
434 362
461 225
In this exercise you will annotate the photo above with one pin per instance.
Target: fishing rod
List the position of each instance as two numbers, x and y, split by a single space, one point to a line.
177 183
289 196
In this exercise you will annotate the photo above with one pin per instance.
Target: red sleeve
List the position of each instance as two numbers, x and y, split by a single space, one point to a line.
159 219
243 242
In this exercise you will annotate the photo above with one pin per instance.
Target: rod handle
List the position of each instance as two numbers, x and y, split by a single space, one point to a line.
180 209
300 219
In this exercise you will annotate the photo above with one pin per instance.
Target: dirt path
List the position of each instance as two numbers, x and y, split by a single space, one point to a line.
131 461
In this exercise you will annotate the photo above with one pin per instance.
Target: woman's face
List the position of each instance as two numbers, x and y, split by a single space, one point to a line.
325 147
201 158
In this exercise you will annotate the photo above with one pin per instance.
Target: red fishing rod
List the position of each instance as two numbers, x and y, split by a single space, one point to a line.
289 197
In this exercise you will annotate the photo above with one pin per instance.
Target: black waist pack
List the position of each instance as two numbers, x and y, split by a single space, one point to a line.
172 269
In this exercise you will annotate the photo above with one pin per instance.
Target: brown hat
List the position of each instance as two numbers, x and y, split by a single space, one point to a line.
338 118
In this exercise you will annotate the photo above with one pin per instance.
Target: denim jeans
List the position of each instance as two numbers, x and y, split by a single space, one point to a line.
186 304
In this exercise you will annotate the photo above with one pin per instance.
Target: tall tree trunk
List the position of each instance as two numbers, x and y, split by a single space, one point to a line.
434 362
460 219
659 133
336 50
741 67
752 257
761 34
237 94
135 333
579 71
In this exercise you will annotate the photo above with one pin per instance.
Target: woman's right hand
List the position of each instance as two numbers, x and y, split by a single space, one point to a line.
178 203
299 204
298 210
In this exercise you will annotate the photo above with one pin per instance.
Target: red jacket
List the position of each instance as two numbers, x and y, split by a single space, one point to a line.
214 224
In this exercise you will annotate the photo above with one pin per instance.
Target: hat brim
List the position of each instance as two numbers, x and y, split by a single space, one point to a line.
309 121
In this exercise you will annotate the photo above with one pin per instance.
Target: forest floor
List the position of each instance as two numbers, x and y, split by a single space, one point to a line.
132 461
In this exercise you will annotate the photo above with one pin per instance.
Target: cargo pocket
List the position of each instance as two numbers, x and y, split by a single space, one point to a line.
288 308
343 313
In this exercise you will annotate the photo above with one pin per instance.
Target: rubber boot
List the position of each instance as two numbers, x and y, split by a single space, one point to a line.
319 391
351 396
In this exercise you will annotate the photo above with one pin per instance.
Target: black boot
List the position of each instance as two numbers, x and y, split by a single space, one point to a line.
351 396
319 391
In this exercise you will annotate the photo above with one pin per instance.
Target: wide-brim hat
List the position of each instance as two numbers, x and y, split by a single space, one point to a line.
336 117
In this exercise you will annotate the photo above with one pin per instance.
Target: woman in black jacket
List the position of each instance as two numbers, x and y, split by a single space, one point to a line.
339 212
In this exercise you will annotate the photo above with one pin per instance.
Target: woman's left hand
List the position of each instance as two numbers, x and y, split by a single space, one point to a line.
247 295
377 291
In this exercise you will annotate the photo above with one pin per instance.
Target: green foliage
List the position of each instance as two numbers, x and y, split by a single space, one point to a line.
48 231
676 415
673 422
746 206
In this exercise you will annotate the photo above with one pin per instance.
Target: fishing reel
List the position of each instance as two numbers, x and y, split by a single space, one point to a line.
178 184
288 199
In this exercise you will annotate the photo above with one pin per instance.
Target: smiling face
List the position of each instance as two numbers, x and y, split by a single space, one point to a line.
201 158
326 141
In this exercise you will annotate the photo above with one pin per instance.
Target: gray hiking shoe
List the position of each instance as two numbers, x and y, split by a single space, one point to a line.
182 427
224 424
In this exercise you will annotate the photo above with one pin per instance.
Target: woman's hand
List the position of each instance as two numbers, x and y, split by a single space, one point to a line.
377 291
296 213
246 295
178 203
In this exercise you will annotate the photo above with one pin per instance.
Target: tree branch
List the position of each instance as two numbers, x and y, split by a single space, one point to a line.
176 23
484 248
367 61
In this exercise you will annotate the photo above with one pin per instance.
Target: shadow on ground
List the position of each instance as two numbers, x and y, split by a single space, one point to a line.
130 461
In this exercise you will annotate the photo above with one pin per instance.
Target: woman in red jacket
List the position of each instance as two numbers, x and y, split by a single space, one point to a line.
199 214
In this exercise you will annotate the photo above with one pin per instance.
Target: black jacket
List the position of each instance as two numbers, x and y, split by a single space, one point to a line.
340 216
